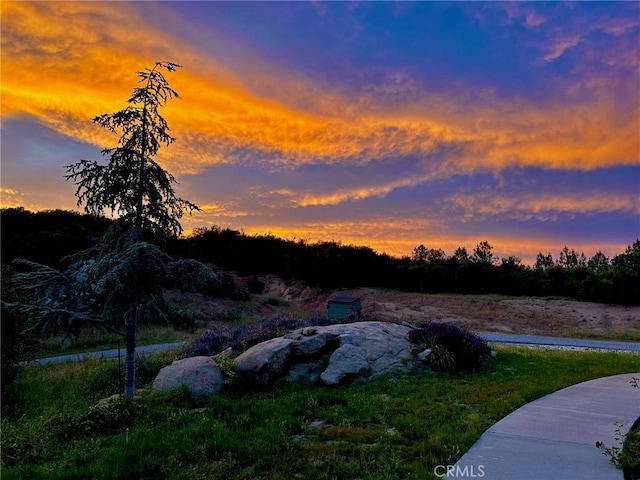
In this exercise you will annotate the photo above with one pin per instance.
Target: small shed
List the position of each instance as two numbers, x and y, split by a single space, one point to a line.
340 307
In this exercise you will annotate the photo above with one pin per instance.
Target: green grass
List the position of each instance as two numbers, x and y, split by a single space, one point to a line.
617 336
389 429
93 340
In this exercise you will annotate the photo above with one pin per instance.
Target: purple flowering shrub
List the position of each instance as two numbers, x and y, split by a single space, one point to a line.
241 337
467 349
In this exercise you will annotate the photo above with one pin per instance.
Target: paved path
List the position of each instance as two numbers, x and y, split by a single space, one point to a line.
113 353
578 343
489 336
553 438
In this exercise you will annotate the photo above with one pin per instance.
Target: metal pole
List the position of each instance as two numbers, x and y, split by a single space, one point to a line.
119 369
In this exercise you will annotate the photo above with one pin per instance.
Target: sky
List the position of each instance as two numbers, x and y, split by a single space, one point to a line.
386 124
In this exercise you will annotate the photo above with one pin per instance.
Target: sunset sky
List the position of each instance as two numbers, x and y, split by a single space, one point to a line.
370 123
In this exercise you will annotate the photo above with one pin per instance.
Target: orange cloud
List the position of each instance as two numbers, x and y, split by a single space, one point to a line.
64 73
10 198
541 206
41 200
308 198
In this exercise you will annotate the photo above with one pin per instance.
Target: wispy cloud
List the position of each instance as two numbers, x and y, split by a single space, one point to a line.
525 206
10 198
64 76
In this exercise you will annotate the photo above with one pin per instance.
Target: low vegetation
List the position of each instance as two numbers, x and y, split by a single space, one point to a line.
452 348
625 451
382 430
240 337
46 237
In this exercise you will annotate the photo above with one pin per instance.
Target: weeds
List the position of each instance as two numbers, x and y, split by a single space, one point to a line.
625 452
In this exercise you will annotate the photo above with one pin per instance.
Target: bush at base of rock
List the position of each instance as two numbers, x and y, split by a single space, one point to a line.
466 349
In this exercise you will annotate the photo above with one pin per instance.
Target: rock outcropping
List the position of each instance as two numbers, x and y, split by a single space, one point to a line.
334 354
200 375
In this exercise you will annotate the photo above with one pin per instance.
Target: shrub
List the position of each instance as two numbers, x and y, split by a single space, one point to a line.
255 285
15 343
192 276
241 293
441 359
627 456
224 288
275 301
266 330
466 349
211 342
242 337
181 319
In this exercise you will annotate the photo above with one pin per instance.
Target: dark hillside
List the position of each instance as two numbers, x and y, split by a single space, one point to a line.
45 237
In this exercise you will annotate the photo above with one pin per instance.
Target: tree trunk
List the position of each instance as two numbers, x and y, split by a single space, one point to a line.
130 375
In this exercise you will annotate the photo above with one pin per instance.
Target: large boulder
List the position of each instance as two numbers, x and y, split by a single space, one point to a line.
334 354
200 375
266 360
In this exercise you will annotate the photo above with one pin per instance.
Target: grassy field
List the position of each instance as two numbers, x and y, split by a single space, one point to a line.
389 429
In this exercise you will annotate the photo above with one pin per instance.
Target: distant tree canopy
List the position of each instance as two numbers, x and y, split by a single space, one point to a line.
332 265
46 237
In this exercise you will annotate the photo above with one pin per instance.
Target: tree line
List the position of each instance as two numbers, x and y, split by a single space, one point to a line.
46 237
333 265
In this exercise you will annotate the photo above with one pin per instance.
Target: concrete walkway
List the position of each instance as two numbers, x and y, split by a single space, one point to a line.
553 438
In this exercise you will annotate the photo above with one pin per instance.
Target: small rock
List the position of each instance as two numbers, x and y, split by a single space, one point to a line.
319 423
307 332
424 355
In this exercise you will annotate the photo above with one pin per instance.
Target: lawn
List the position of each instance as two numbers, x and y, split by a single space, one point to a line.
388 429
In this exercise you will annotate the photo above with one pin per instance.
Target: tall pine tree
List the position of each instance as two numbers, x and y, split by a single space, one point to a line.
127 276
132 184
118 282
